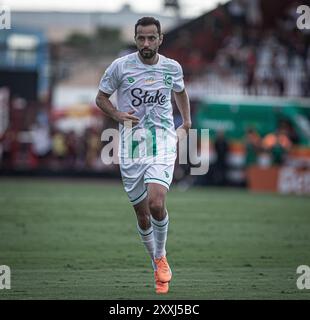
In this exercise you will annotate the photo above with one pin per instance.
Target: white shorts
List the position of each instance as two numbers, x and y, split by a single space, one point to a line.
136 175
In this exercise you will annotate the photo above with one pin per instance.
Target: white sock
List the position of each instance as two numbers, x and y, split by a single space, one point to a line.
160 235
147 238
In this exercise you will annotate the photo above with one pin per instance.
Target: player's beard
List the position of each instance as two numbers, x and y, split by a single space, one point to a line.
147 53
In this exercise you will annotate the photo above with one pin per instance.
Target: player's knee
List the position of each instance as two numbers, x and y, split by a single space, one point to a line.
156 205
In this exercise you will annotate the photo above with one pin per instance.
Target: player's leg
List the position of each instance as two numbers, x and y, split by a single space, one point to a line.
133 181
158 177
160 222
145 228
159 216
146 232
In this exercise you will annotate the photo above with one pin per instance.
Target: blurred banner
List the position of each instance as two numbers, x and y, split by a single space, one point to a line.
285 180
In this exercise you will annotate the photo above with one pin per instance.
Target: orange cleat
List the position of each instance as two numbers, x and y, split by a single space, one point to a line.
160 287
163 269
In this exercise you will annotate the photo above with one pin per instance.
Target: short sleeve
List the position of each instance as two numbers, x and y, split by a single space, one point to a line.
110 79
178 83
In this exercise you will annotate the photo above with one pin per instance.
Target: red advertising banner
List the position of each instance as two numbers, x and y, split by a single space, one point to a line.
285 180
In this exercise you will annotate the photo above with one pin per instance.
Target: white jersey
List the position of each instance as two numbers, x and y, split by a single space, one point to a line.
145 89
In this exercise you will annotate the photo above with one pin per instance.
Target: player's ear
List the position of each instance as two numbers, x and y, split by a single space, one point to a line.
161 37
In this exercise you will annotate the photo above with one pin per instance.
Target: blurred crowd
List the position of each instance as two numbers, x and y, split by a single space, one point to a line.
271 149
42 148
273 61
235 48
36 142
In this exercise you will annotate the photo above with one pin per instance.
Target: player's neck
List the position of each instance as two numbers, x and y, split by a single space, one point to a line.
151 61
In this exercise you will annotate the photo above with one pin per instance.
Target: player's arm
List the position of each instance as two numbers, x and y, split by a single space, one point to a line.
104 103
182 102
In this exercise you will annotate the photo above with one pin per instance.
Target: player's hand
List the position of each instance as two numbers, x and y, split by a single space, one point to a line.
182 131
126 118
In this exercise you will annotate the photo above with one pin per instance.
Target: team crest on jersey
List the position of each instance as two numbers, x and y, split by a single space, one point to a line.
131 79
168 80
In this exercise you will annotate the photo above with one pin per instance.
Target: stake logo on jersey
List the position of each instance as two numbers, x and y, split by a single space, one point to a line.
147 97
145 89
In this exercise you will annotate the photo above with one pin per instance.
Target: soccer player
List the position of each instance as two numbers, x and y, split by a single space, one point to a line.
144 81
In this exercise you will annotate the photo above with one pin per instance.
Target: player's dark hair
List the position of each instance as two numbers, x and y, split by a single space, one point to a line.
147 21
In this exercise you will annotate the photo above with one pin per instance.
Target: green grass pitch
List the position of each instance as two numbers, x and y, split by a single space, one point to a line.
78 240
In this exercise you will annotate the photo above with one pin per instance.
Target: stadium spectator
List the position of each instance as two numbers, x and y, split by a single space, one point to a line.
221 147
72 143
289 130
252 146
93 146
250 84
41 144
253 13
277 144
59 148
9 149
305 81
277 74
